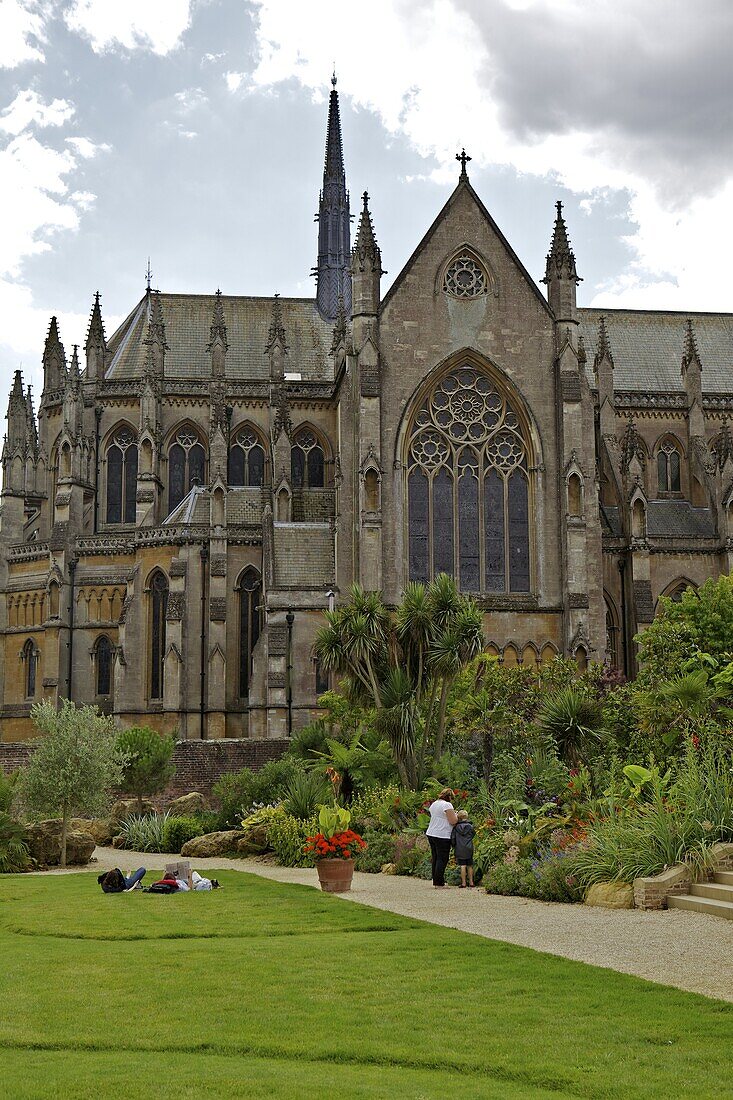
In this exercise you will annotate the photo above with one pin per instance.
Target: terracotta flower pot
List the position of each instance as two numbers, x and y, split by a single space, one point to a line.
335 875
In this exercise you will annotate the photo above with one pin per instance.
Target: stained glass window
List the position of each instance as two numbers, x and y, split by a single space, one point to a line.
122 477
186 466
159 609
468 491
250 598
307 467
103 654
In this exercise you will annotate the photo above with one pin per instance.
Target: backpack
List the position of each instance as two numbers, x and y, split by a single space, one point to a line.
162 888
113 882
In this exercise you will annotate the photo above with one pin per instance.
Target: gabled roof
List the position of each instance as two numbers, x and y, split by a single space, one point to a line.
464 183
647 347
187 319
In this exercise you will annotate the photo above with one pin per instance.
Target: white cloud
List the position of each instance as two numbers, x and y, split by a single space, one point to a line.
21 30
86 148
28 107
234 80
155 25
438 84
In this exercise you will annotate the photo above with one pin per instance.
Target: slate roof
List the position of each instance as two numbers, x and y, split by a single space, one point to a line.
187 319
304 555
647 348
678 519
243 508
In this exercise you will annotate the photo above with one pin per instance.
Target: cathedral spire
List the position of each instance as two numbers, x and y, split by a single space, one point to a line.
74 372
16 416
30 417
334 221
218 330
560 261
54 359
603 350
690 354
155 335
366 266
95 346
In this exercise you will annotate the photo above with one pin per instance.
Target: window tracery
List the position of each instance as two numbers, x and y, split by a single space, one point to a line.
468 487
250 599
158 612
122 477
30 655
465 278
307 461
668 467
186 466
246 458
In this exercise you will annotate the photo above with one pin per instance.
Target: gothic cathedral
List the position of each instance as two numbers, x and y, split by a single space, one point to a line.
184 506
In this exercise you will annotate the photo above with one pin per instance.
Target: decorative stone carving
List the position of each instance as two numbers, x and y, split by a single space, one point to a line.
275 679
644 601
277 640
570 386
219 565
178 567
218 609
370 381
176 607
578 600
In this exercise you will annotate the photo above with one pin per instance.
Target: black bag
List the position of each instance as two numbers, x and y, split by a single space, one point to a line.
112 882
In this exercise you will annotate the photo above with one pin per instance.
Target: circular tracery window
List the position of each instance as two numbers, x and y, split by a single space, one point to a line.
464 278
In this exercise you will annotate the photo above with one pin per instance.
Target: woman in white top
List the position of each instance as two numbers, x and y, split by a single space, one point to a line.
442 819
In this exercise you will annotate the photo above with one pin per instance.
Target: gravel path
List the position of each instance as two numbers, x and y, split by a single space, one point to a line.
691 951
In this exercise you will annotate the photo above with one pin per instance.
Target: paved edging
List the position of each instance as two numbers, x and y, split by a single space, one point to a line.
688 950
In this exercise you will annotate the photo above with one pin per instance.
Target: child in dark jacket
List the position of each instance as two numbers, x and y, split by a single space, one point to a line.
462 841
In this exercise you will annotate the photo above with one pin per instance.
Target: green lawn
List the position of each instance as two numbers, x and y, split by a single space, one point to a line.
267 990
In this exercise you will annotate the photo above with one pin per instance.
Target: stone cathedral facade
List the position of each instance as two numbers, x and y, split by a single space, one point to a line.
197 488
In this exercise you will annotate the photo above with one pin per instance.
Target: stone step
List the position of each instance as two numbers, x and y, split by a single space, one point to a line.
718 890
724 877
702 905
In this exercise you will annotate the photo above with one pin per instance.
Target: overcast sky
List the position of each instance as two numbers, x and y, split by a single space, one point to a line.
193 130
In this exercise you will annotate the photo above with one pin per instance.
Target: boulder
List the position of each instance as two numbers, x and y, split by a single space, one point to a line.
126 807
389 869
212 844
254 842
103 829
187 804
611 895
119 841
44 844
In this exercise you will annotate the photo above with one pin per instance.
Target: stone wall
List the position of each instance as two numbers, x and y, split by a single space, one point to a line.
198 763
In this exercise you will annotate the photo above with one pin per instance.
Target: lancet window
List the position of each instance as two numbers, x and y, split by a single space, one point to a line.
103 661
186 466
468 487
250 599
307 464
246 458
668 467
158 612
30 658
121 477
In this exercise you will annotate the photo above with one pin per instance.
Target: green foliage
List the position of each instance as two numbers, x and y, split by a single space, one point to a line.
704 620
512 879
177 831
555 879
7 791
368 804
333 819
287 835
304 793
573 719
74 764
238 792
380 850
13 848
148 765
145 833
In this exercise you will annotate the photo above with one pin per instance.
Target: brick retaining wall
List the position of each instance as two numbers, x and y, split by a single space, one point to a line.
198 763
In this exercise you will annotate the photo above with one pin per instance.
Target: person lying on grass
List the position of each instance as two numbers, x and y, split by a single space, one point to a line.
114 882
169 884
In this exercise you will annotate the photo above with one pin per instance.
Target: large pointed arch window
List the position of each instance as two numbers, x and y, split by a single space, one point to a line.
121 477
307 461
468 491
30 655
158 612
250 599
186 466
246 458
668 467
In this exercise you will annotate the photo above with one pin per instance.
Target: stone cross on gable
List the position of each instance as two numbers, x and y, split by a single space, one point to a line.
464 158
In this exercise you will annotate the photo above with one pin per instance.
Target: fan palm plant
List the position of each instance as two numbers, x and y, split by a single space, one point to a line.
574 721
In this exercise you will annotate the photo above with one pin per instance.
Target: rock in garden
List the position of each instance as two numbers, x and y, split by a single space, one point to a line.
611 895
103 829
187 804
389 869
212 844
44 844
126 807
254 841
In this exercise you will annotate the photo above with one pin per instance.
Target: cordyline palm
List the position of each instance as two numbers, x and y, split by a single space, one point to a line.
574 720
403 662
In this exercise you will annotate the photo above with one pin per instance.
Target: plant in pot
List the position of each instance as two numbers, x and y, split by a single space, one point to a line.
334 849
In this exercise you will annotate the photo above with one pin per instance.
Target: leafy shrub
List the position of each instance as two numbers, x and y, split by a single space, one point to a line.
380 850
178 830
7 791
555 879
148 764
144 832
287 835
409 854
512 879
304 793
370 801
13 848
239 791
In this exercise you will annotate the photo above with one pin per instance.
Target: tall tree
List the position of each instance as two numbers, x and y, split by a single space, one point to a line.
75 764
149 766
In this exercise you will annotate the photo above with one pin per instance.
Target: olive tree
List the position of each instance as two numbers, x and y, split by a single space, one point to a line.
74 765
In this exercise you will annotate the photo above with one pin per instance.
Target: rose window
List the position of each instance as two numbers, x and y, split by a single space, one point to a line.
464 278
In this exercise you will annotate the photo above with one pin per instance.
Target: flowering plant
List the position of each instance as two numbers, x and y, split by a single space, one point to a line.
345 845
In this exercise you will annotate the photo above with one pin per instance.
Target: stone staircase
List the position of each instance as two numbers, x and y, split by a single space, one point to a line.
714 897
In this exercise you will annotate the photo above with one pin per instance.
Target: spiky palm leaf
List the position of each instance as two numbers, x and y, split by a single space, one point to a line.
573 719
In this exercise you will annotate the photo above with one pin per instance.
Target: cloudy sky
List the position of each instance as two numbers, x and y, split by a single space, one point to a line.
192 131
